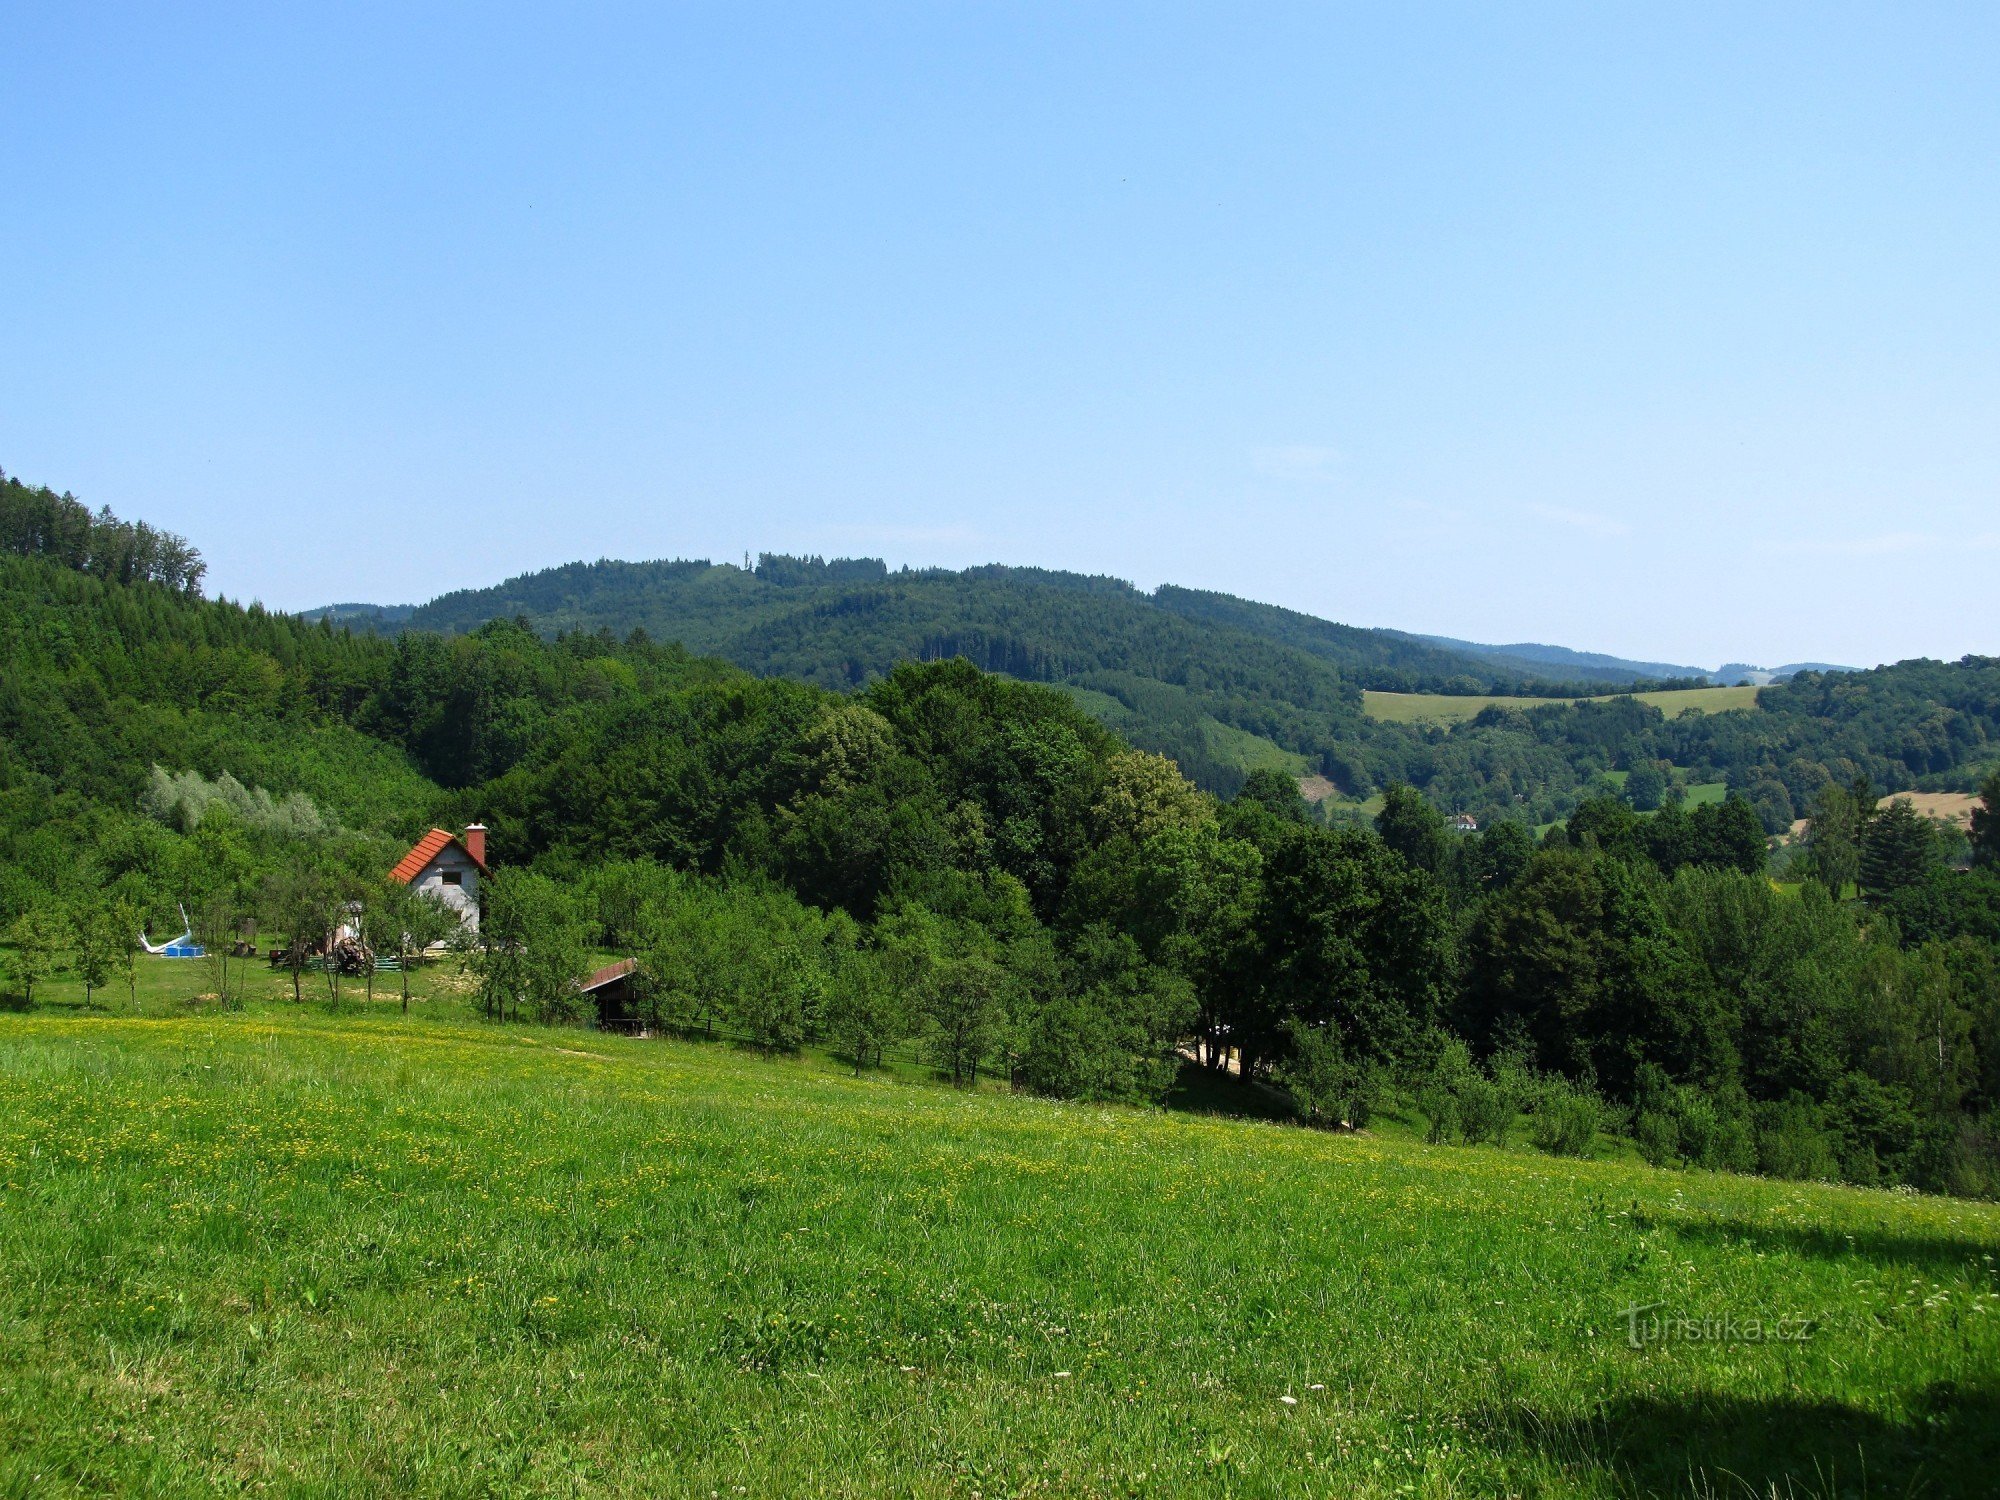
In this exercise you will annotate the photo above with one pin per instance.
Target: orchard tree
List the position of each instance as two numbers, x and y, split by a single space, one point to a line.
305 905
866 1011
531 948
952 971
42 940
100 943
411 922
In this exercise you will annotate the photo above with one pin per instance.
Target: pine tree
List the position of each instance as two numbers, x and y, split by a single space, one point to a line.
1986 823
1898 849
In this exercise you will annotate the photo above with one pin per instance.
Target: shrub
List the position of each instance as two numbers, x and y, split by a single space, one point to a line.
1792 1143
1365 1085
1659 1138
1565 1120
1484 1111
1438 1105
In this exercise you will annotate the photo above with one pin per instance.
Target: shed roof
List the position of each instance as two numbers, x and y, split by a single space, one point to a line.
428 848
608 973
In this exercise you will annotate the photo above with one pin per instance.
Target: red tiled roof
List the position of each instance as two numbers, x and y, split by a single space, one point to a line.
608 973
428 848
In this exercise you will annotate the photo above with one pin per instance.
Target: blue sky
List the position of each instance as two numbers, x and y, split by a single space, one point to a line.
1672 331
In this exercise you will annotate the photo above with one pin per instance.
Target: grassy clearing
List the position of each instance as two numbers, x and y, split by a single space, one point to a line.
1249 752
361 1254
1442 708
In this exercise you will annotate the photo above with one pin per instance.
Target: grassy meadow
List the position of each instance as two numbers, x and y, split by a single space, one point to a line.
1444 708
292 1250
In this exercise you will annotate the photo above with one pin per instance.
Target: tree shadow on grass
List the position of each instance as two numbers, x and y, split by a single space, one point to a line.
1205 1091
1789 1448
1931 1254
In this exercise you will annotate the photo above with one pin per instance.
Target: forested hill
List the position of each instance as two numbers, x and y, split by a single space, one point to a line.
1038 623
1223 685
1226 686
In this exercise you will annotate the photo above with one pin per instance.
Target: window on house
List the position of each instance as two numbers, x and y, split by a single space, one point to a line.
452 877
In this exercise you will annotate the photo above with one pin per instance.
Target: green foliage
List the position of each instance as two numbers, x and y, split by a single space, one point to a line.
1413 828
1793 1142
1833 837
181 801
1460 1099
1646 787
1986 823
531 947
1326 1082
1580 956
37 522
42 940
1899 849
1565 1118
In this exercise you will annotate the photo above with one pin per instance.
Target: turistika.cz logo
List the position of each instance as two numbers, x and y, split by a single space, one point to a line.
1646 1325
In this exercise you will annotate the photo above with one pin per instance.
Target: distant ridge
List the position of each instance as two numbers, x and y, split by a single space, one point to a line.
1224 685
1586 663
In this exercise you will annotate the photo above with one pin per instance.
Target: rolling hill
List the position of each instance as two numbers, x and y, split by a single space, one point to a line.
1224 685
1229 686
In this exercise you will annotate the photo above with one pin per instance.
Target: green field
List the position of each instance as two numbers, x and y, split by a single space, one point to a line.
283 1249
1442 708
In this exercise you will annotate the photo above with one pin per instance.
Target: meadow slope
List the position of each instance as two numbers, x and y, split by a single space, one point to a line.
1442 708
362 1254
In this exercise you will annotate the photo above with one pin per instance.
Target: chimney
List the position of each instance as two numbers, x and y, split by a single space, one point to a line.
475 842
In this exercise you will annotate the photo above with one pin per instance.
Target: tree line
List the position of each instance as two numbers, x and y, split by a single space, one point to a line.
37 522
973 866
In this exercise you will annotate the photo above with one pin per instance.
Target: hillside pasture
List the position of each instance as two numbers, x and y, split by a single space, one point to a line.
1940 807
1449 709
286 1250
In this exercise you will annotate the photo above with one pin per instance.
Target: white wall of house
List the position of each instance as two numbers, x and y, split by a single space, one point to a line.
453 878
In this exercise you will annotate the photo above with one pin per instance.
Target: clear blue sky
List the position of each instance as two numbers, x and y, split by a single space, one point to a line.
1672 331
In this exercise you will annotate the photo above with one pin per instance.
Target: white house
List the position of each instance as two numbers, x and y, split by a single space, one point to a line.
448 867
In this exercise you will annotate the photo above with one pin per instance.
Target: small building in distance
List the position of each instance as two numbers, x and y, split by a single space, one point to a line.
610 990
1462 823
449 867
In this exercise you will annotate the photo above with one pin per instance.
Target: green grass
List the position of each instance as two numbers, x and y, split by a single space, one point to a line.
1228 745
1100 706
288 1250
1443 708
1222 744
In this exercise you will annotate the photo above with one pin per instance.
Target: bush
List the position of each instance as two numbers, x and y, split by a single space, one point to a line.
1327 1084
1659 1138
1365 1085
1565 1120
1485 1112
1438 1105
1792 1143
